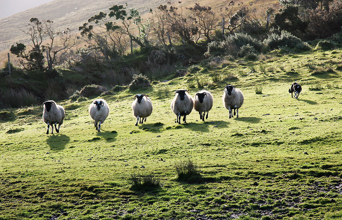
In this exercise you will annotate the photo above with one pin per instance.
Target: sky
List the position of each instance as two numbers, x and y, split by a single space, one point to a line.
11 7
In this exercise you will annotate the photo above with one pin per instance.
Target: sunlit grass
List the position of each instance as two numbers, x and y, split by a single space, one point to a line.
280 159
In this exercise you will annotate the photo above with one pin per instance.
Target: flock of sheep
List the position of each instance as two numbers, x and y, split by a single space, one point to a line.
181 105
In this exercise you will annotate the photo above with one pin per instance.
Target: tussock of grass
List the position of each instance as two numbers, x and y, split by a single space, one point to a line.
187 171
144 182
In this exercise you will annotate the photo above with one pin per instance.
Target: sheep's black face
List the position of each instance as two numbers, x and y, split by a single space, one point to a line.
229 89
201 96
181 94
295 87
98 104
48 105
140 97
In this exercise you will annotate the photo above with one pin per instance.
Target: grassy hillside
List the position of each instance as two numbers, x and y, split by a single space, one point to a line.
281 159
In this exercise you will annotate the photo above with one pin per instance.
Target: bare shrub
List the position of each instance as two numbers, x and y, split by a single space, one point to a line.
92 90
324 23
157 57
139 81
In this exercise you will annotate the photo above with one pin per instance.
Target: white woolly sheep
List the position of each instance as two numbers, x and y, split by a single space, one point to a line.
98 111
232 99
203 102
142 108
53 114
182 104
296 89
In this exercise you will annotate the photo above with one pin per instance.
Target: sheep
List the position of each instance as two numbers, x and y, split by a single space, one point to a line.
232 99
296 88
98 111
53 114
203 102
142 108
182 104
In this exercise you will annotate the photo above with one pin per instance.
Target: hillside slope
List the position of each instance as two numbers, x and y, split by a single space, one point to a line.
65 14
72 14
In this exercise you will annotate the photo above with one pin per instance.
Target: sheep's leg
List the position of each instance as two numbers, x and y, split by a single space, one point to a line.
136 123
230 112
57 129
47 132
51 129
59 126
99 127
95 124
207 115
184 119
203 116
178 118
200 115
144 119
237 113
234 111
291 94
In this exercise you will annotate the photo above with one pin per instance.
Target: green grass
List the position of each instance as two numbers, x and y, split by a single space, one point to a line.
280 160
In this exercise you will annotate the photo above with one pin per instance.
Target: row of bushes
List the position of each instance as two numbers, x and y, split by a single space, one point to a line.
244 45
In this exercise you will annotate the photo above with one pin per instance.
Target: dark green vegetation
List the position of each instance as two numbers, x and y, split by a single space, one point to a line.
280 160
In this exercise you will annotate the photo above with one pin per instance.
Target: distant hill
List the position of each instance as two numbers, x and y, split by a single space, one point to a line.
72 14
65 14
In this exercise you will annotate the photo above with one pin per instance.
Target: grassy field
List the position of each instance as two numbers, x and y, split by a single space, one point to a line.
280 160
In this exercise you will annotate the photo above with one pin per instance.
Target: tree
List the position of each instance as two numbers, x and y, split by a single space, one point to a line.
308 4
118 22
182 25
288 19
160 25
269 12
38 32
205 18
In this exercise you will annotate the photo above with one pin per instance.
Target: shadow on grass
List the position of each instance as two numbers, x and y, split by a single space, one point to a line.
203 127
57 142
154 128
308 101
249 119
109 136
196 179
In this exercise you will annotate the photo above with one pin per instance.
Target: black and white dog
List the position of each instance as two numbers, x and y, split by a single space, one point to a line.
296 89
